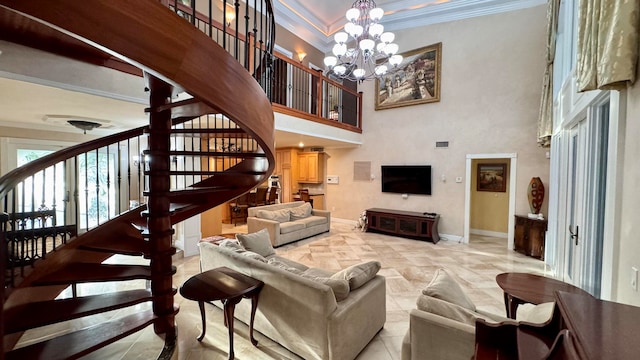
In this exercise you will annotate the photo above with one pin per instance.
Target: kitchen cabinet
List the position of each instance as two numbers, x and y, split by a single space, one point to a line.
311 167
287 171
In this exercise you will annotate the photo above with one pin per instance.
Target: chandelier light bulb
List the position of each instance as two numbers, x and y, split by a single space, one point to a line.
387 37
367 44
339 49
380 47
395 60
356 31
341 37
376 14
330 61
381 70
340 69
359 73
376 30
391 49
353 14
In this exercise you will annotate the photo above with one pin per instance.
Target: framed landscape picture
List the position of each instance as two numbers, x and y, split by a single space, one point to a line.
492 177
415 81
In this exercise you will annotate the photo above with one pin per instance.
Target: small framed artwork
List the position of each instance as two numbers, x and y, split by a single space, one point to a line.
492 177
415 81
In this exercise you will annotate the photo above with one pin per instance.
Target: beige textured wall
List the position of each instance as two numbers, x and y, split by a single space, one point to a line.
492 70
489 210
293 43
627 249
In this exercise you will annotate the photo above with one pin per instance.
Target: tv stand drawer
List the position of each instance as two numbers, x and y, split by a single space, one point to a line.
415 225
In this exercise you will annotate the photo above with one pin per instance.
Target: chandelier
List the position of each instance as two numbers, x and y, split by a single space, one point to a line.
372 52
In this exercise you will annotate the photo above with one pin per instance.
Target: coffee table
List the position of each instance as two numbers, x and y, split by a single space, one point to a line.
226 285
520 288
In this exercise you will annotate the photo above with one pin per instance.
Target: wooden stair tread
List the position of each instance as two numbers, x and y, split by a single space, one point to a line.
31 315
88 272
77 344
126 245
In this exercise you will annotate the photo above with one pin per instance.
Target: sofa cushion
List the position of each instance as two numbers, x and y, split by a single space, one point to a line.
291 226
449 310
538 314
444 287
252 255
284 266
289 262
358 274
257 242
282 215
312 221
318 272
301 212
340 287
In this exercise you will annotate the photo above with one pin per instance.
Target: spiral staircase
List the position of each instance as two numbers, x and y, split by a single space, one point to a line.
186 165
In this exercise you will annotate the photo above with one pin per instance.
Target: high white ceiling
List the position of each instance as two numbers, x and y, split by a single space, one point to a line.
314 20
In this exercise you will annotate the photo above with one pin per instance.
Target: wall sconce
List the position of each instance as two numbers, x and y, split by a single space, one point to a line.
301 56
229 17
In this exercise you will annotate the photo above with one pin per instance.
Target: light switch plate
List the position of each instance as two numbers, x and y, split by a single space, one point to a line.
333 179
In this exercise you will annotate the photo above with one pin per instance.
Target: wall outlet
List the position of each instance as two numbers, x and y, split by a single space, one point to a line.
634 278
459 179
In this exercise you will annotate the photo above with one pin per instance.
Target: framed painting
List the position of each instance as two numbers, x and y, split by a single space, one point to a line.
492 177
415 81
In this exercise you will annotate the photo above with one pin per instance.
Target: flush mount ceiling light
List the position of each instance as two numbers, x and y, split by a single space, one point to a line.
363 51
84 125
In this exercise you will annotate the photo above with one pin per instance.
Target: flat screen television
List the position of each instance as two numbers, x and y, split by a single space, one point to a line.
406 179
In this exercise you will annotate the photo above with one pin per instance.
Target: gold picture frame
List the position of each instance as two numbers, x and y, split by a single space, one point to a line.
492 177
416 81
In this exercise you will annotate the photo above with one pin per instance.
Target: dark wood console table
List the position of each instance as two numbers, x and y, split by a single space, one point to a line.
409 224
592 329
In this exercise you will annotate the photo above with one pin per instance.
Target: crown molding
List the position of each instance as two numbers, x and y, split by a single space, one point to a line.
399 15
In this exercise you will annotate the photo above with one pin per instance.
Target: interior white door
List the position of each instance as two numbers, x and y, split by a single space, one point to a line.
574 216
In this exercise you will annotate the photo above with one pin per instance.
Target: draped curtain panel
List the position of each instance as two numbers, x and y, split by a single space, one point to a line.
545 119
607 44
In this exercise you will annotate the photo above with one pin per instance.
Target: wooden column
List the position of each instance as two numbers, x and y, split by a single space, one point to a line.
158 217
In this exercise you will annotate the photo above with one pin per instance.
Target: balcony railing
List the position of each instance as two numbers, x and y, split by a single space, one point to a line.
292 88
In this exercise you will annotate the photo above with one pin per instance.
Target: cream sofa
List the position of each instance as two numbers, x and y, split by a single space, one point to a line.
443 324
288 222
302 314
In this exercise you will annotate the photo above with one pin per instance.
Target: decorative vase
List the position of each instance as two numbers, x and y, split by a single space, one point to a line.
535 195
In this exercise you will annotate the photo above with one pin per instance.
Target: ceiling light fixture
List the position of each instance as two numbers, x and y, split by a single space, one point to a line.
84 125
372 52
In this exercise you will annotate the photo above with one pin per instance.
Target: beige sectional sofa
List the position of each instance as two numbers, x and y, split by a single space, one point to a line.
298 307
288 222
442 326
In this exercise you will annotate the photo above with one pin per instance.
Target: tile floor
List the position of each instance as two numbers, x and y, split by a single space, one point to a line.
408 266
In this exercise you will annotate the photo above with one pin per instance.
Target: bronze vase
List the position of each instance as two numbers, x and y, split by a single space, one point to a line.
535 195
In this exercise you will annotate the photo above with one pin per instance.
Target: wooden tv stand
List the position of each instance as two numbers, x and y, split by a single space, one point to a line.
411 224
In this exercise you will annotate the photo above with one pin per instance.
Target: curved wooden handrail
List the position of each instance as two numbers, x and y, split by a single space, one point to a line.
181 57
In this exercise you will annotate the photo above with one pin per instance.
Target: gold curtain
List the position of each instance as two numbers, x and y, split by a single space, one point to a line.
545 118
607 44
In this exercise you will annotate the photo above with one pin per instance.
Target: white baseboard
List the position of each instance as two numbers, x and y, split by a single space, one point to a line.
447 237
344 221
488 233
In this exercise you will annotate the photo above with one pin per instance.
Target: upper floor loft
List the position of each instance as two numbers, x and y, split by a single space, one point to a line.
308 106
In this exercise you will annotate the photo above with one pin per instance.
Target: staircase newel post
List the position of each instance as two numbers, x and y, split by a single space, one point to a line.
159 220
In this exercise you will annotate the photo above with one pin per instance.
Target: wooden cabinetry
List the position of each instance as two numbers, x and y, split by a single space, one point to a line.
311 167
529 236
287 171
404 223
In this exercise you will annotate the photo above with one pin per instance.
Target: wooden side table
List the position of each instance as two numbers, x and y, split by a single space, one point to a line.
226 285
520 288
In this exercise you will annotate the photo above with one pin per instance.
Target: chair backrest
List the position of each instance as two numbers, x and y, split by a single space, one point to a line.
304 195
563 347
261 196
273 195
242 199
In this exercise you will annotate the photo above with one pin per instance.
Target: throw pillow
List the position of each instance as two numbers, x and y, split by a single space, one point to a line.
230 244
257 242
447 309
358 274
276 215
340 287
444 287
538 314
301 212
